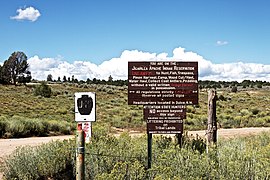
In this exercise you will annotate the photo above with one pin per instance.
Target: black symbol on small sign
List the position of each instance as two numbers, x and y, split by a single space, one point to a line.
85 105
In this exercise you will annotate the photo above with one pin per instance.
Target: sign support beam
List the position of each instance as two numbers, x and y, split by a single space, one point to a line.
149 150
179 139
212 118
80 154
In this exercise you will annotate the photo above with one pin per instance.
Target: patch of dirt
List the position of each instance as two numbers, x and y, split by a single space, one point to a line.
231 133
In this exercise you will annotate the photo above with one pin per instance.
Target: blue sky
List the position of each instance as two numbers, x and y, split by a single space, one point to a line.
221 31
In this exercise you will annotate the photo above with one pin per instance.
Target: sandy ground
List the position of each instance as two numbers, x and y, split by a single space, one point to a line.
231 133
7 146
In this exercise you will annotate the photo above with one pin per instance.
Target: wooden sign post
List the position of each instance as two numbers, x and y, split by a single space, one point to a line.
80 154
212 119
85 113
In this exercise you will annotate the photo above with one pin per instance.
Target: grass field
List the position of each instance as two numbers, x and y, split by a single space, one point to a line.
21 110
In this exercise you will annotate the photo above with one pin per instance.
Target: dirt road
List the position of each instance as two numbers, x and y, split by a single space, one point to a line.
7 146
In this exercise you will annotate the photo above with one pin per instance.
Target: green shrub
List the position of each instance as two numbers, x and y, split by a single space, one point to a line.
3 125
190 109
17 126
60 127
255 111
244 112
108 157
234 89
45 161
43 90
110 91
61 111
221 98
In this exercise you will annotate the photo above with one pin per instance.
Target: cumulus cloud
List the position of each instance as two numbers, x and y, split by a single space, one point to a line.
222 43
40 68
240 71
29 13
118 67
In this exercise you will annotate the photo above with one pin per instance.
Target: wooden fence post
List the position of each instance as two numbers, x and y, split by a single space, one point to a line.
212 119
80 166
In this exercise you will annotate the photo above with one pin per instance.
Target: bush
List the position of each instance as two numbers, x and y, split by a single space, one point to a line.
108 157
244 112
42 162
3 125
43 90
234 89
22 127
25 127
221 98
255 111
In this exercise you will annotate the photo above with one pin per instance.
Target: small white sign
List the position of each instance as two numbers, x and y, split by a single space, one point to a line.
87 129
85 106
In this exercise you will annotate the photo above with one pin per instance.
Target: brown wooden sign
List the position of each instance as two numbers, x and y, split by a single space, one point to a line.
164 119
162 83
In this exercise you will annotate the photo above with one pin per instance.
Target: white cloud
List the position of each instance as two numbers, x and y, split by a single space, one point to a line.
240 71
28 13
222 43
118 67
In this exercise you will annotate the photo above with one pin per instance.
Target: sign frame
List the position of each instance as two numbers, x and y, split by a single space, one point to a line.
85 107
163 83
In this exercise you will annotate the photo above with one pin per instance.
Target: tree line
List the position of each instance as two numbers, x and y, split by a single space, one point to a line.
15 69
203 84
66 79
232 84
